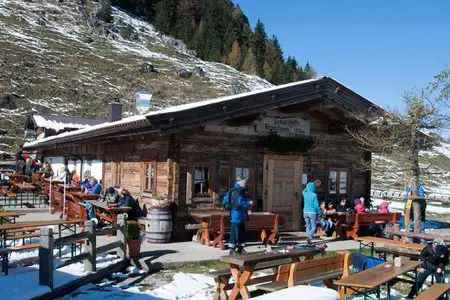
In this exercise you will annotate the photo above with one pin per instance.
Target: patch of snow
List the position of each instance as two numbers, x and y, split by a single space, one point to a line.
302 291
400 206
23 283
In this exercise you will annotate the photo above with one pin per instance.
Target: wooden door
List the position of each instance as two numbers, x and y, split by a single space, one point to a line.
282 188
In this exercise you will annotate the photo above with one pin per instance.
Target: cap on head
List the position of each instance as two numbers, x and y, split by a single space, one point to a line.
243 182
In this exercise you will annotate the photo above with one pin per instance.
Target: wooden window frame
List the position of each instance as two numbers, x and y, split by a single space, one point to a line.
211 191
338 181
144 165
115 167
251 178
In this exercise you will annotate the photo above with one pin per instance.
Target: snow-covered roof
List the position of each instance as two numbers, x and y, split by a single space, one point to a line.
146 120
59 123
87 129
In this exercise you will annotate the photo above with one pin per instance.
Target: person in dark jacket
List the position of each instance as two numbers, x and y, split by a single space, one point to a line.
434 257
342 206
127 200
239 206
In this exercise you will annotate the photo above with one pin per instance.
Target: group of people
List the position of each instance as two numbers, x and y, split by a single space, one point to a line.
114 198
26 165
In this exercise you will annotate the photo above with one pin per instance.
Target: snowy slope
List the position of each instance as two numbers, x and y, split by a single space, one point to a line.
388 174
54 62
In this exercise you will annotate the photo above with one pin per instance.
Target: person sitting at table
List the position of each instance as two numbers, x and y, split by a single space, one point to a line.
384 207
359 206
95 187
111 195
331 207
126 200
326 223
75 178
435 257
342 206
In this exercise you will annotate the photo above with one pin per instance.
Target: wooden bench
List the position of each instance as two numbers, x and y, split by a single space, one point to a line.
434 292
305 272
383 252
268 224
368 219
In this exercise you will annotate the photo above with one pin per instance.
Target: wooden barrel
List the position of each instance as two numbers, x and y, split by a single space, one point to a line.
158 226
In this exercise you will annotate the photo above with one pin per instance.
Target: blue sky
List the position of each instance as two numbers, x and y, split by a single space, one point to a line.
379 49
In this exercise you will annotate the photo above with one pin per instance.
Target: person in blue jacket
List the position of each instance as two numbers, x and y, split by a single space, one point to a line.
239 206
311 210
95 187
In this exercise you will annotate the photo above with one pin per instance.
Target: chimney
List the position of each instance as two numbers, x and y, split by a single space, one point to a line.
115 111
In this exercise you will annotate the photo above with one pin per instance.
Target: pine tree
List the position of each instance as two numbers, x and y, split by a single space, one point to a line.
273 62
235 58
249 65
309 71
165 15
258 44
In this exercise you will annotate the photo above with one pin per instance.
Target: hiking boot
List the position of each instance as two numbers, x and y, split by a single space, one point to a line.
241 250
308 241
233 252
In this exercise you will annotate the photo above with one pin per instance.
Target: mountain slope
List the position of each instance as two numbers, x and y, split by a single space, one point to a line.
53 62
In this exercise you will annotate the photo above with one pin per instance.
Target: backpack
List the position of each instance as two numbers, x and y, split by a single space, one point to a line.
226 202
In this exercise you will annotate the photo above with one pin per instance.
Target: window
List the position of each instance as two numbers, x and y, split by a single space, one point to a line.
338 181
117 171
149 177
202 179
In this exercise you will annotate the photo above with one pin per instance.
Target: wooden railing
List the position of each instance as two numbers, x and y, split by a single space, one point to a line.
47 244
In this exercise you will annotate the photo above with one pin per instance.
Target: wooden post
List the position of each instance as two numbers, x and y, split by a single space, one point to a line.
122 235
46 257
91 247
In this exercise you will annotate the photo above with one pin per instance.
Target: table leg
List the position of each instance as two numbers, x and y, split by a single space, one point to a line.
1 220
371 248
388 290
241 279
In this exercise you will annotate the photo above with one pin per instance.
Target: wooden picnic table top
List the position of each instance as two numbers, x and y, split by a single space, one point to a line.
11 215
70 187
18 225
25 186
400 244
378 275
84 196
257 257
225 213
54 181
434 291
112 209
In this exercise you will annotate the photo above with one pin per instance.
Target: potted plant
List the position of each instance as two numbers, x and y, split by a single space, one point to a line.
133 239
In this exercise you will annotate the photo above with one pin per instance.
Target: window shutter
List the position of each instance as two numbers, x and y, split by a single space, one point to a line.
188 187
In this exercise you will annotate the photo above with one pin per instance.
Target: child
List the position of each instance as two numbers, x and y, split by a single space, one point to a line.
359 206
326 224
331 207
342 206
384 207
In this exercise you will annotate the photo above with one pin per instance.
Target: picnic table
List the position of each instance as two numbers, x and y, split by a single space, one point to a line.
248 262
83 197
218 223
339 218
104 210
372 279
369 241
69 187
9 217
62 224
